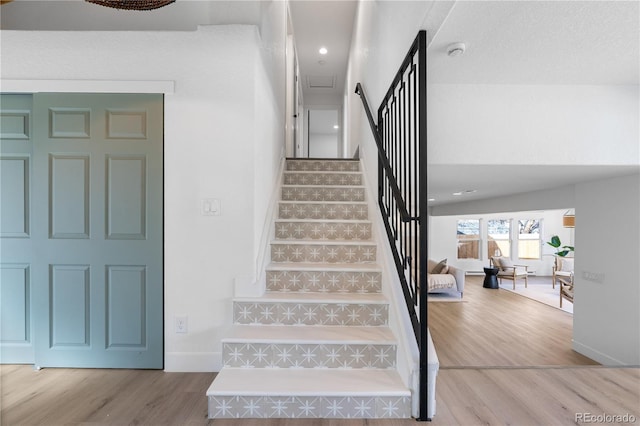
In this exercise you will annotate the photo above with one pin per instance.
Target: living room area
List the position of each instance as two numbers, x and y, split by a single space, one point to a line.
531 266
533 359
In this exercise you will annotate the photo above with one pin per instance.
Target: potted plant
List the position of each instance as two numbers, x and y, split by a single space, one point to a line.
561 250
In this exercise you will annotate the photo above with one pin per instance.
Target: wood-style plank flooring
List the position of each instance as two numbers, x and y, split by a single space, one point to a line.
504 360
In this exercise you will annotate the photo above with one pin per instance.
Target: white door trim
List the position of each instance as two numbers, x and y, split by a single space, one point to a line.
88 86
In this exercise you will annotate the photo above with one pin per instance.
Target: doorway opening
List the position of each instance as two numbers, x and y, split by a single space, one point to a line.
323 136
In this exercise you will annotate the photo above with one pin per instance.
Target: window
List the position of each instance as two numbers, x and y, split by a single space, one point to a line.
499 237
529 246
469 239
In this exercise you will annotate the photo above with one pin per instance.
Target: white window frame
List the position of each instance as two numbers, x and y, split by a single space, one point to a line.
508 239
539 239
479 240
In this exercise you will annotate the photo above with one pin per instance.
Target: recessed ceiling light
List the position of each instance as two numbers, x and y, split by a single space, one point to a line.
470 191
431 199
323 50
457 193
335 126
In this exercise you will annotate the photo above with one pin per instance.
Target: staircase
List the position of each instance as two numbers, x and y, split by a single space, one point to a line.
317 343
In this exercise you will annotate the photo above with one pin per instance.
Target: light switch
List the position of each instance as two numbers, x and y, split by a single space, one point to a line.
210 207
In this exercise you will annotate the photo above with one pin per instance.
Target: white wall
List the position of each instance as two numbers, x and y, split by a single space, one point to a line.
322 145
518 124
383 33
219 143
606 318
443 241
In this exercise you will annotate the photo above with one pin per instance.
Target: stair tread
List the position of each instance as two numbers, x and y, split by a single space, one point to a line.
298 220
364 203
311 334
321 267
351 298
327 242
298 185
307 381
346 172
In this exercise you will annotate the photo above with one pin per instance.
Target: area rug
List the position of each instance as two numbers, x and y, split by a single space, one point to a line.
539 289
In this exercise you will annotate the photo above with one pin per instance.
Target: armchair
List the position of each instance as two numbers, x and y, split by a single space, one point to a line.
562 268
508 270
566 289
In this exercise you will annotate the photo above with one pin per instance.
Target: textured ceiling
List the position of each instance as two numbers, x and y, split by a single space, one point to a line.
539 42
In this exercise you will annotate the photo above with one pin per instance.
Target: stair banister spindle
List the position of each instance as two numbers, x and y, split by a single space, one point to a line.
385 162
400 137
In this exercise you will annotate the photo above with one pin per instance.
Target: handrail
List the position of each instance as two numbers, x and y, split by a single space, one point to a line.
401 140
404 213
384 162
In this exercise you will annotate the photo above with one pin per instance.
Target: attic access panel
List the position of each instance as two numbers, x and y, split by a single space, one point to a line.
321 81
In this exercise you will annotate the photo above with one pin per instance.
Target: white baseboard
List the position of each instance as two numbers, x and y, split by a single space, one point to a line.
596 355
192 362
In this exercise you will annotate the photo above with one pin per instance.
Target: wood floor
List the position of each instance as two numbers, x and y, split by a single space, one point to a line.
504 360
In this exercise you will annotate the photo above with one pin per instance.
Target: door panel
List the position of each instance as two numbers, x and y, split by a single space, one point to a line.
95 264
70 306
126 308
69 178
16 329
126 197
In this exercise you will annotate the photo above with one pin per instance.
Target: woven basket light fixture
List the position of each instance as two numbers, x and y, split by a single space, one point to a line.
132 4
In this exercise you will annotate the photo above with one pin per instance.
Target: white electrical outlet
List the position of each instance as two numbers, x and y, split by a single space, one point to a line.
181 324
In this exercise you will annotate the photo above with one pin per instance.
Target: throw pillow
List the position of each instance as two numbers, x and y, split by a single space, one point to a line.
505 262
439 267
496 262
567 265
445 270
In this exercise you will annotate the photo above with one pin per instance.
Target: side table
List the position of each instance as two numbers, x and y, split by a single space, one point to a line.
490 278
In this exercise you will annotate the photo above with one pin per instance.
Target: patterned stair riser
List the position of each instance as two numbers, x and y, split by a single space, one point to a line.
323 281
308 355
323 253
321 236
346 211
323 231
326 407
309 313
322 166
331 193
324 178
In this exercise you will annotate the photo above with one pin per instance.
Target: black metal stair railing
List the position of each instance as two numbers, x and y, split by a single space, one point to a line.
401 138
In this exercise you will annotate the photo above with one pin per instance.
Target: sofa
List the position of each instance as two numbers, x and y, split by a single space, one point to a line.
449 279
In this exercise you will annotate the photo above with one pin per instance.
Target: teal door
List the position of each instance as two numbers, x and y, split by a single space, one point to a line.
16 245
95 264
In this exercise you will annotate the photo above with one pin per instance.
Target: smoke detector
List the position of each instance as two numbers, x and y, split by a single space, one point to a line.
456 49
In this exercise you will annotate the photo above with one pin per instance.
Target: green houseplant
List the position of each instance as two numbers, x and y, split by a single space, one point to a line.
561 250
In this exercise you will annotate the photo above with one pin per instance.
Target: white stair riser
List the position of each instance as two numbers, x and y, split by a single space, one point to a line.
323 231
323 253
301 407
322 178
305 193
308 355
324 281
342 211
323 166
303 313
